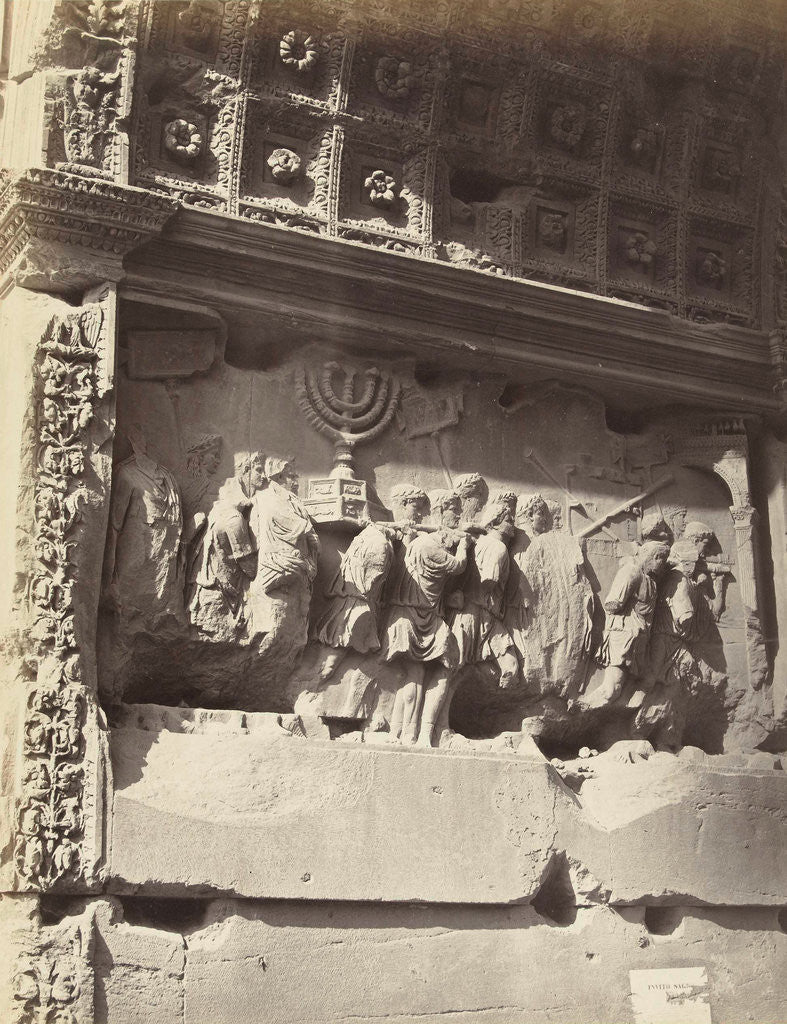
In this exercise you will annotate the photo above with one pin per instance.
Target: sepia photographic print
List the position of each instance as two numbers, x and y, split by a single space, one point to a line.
393 530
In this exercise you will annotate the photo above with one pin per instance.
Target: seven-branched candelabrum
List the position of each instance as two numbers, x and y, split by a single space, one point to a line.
349 406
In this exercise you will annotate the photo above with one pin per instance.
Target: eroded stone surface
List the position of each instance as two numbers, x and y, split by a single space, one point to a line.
311 964
376 823
283 817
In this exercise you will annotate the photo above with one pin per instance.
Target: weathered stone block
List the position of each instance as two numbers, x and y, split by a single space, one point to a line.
300 963
238 805
262 815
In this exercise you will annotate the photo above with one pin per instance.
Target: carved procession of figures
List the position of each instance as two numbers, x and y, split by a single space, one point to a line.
460 581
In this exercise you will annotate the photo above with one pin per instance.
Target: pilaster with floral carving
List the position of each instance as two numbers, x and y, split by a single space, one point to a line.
58 822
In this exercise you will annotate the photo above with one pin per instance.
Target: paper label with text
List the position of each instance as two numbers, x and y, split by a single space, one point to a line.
672 995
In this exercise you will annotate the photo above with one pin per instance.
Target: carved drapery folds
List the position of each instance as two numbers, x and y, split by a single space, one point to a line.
50 817
578 609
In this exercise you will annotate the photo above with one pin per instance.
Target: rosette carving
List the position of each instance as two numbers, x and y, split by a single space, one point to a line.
299 51
285 165
380 189
393 77
183 140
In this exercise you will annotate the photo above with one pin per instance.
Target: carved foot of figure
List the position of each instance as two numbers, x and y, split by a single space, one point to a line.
509 670
424 738
330 664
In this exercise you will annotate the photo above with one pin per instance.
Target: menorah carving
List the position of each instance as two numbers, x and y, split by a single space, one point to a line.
347 413
351 407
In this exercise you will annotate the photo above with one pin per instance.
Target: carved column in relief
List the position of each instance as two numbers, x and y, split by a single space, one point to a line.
722 447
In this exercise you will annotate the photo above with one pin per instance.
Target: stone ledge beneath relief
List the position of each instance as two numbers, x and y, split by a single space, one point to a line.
238 803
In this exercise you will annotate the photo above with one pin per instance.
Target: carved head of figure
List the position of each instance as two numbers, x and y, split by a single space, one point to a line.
446 508
654 527
499 514
700 535
410 503
533 515
136 438
250 471
282 472
684 556
204 455
653 557
473 492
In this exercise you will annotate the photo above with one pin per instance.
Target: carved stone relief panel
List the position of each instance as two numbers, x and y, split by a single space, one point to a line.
299 55
184 133
383 190
642 248
206 32
483 98
193 27
568 121
284 165
59 821
719 270
87 88
394 78
651 143
559 233
391 579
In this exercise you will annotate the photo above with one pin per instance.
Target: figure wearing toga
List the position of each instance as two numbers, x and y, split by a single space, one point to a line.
415 628
287 548
630 606
351 617
478 625
549 608
144 561
225 559
477 618
684 632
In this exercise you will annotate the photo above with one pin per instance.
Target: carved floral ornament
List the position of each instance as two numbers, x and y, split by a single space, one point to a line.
644 146
552 228
285 164
639 249
183 140
89 111
722 170
567 125
588 21
711 269
43 989
393 77
380 189
50 825
198 21
299 51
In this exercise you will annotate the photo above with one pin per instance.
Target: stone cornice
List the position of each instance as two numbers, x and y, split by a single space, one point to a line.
63 232
372 298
